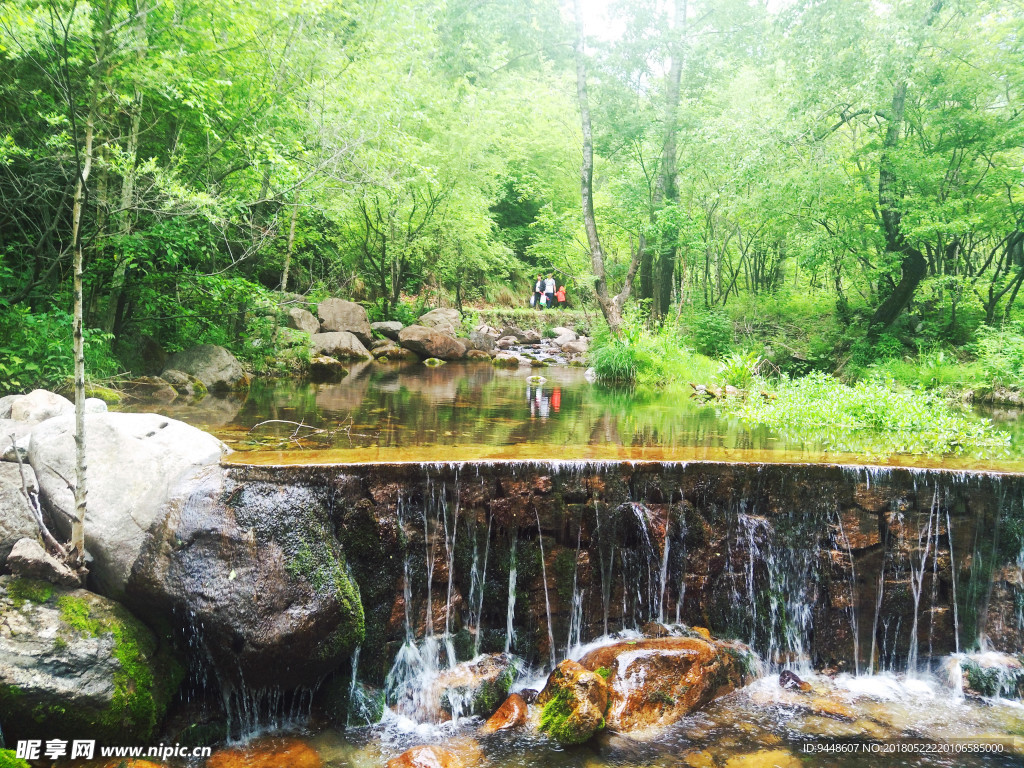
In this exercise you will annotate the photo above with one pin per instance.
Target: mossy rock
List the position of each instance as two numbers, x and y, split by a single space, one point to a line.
433 362
573 703
505 362
79 665
106 394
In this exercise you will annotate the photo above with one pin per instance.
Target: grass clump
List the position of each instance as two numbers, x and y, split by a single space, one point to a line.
637 356
871 416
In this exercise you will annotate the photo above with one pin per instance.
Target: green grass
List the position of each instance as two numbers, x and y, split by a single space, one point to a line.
639 357
872 416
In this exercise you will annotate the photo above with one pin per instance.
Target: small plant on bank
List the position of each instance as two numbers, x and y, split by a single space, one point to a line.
740 368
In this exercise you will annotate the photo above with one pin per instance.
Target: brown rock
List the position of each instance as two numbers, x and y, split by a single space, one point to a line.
151 388
341 315
574 701
426 757
268 753
655 682
766 758
477 354
340 344
324 368
511 714
427 342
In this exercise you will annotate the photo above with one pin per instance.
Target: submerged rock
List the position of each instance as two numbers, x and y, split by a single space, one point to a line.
324 368
765 758
573 702
217 368
267 753
654 682
76 665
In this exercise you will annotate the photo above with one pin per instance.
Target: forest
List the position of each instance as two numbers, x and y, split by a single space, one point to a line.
816 187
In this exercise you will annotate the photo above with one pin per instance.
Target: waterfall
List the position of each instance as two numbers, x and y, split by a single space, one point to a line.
547 601
511 610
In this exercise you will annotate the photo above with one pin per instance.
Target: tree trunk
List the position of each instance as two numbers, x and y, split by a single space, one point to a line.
290 247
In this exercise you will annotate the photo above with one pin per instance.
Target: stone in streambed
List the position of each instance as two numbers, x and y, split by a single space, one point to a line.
267 753
217 368
389 329
428 757
766 758
340 344
573 702
429 342
303 320
447 321
345 316
511 714
328 369
654 682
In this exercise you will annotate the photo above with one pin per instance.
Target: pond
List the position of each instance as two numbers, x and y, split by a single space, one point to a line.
467 411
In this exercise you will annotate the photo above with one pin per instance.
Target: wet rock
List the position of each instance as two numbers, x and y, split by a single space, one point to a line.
217 368
427 757
428 342
184 383
654 629
514 332
38 406
153 388
342 345
505 361
267 753
338 315
257 569
16 518
77 665
531 336
476 687
788 680
505 342
389 329
477 354
986 675
29 560
573 702
765 758
511 714
701 759
133 459
447 321
303 320
324 368
655 682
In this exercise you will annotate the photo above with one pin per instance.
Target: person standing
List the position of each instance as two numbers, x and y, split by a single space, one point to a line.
560 296
538 289
549 289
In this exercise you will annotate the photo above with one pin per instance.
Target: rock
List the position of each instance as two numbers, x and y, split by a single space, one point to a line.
267 753
481 341
95 405
426 757
16 519
258 572
340 344
133 459
153 388
516 333
563 335
505 361
77 665
474 687
6 403
477 354
573 702
427 342
303 320
506 342
12 433
789 681
184 383
576 347
40 405
511 714
29 560
987 674
324 368
389 329
531 337
217 368
447 321
340 315
433 362
765 758
654 682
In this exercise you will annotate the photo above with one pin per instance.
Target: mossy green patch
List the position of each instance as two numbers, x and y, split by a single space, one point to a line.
603 672
9 760
106 394
557 720
21 591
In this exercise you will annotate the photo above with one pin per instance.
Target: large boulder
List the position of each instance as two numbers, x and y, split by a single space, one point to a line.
445 320
39 405
76 665
254 569
339 344
428 342
389 329
655 682
578 347
132 461
13 439
341 315
16 518
303 320
573 702
217 368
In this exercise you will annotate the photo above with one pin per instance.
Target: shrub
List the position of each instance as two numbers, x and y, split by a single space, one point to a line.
1001 354
712 333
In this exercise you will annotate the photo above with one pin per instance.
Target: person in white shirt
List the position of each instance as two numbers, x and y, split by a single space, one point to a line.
549 289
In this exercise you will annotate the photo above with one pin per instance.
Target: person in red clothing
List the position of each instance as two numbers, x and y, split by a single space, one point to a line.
560 296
